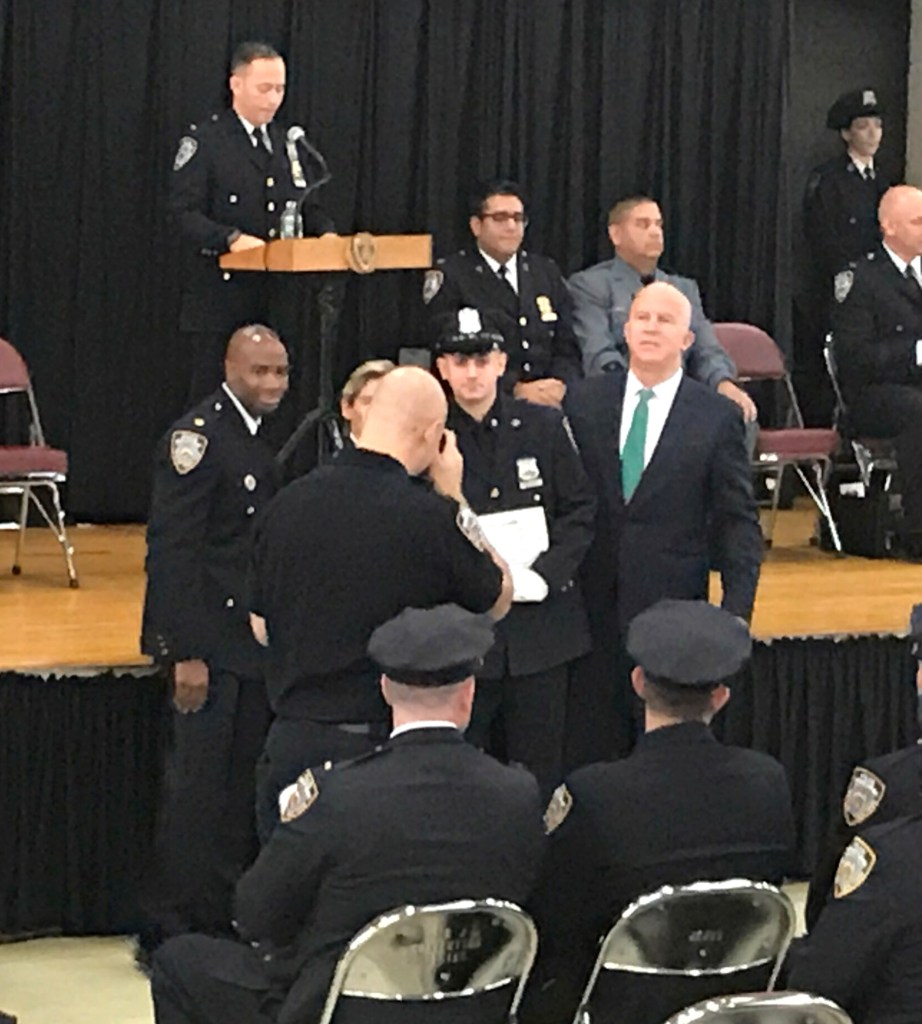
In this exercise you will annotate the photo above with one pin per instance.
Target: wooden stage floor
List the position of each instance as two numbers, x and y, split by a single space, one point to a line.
44 624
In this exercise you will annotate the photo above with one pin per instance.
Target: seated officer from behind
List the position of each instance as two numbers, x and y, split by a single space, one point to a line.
523 291
681 808
880 789
426 818
865 952
521 470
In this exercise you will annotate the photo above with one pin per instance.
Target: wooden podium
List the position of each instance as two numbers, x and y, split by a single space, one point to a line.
361 253
331 255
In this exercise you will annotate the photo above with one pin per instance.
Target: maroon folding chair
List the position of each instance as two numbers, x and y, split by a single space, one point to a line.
757 357
26 469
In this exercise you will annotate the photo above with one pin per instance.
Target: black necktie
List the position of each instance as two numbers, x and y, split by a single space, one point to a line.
646 279
258 135
867 173
910 275
502 272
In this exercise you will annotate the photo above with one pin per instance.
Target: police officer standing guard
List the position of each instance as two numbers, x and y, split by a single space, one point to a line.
233 178
522 474
213 475
524 292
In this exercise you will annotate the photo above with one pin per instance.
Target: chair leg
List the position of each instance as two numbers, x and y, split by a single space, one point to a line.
776 499
21 535
820 498
59 530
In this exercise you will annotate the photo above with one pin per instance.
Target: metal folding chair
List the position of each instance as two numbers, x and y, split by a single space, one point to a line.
871 453
437 953
25 469
757 357
764 1008
712 930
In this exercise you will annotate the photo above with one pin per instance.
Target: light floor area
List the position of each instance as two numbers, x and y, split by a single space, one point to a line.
94 981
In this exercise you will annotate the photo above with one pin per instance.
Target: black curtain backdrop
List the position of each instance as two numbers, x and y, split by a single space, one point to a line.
411 101
80 763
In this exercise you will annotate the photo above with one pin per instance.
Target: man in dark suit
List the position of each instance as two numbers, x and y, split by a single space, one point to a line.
233 178
602 297
522 472
682 808
865 952
877 326
524 292
426 818
213 475
668 459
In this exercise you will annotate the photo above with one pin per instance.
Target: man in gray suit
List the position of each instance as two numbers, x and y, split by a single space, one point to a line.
602 297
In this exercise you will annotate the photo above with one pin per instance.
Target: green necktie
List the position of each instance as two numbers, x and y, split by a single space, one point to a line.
634 444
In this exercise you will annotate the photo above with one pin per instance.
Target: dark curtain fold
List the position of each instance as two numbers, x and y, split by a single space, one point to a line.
582 100
80 763
819 706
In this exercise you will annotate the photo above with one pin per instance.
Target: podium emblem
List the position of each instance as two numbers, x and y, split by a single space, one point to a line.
362 253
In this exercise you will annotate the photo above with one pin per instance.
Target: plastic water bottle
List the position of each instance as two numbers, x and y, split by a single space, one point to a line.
290 225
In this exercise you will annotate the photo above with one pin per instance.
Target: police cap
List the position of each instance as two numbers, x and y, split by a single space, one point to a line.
858 103
468 332
689 643
431 647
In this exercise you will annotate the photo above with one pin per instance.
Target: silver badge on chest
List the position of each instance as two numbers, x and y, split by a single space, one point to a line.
529 473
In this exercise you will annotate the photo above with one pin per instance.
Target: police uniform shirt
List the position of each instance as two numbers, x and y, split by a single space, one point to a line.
222 184
426 818
520 456
535 318
338 553
865 952
840 213
212 477
681 808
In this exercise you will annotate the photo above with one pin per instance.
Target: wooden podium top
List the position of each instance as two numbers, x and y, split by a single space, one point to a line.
362 253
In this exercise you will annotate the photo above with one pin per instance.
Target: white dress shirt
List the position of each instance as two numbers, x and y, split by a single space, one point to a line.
657 410
252 128
252 422
863 165
512 272
435 724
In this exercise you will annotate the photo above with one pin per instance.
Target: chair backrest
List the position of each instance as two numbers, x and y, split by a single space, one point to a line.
754 352
437 952
14 374
697 930
764 1008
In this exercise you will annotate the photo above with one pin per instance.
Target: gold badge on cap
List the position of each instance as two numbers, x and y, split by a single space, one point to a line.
863 796
856 865
297 798
187 448
558 808
545 309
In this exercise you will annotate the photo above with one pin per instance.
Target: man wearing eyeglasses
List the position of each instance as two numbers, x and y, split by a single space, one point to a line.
525 295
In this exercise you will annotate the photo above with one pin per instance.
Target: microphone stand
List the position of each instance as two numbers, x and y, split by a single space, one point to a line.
329 304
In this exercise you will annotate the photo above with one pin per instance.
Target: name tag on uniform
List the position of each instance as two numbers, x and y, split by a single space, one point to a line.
528 472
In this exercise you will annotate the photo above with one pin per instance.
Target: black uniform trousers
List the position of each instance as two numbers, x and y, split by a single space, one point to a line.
205 835
524 718
895 411
296 744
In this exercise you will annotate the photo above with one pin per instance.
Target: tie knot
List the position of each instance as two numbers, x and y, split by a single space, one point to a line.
644 395
502 270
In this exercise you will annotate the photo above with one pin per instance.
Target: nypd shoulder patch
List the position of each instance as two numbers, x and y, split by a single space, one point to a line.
299 797
863 796
843 284
558 808
187 449
187 149
432 284
854 868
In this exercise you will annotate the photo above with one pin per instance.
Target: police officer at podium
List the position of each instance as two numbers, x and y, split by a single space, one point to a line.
233 177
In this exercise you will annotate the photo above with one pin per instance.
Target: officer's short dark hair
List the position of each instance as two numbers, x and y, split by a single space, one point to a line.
494 187
624 206
249 51
686 703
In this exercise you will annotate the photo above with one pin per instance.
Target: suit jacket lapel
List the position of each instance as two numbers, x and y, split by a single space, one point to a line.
611 440
910 289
